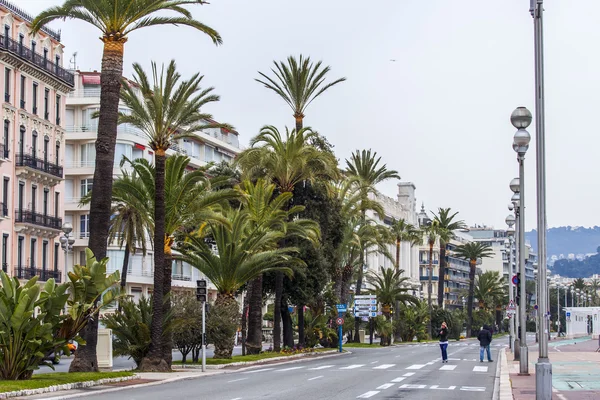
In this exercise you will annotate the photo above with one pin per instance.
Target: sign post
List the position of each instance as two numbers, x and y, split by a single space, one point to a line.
365 307
341 309
201 296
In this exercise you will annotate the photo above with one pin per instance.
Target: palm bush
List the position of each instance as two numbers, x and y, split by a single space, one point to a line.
412 321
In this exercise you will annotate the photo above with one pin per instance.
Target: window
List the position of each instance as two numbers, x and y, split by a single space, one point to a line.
56 253
33 198
122 150
21 39
46 192
84 226
46 142
87 120
86 186
58 109
46 103
6 143
69 197
23 83
56 204
21 196
33 47
6 33
45 56
88 154
22 141
44 257
208 153
57 153
7 85
5 187
20 252
32 253
34 95
34 143
82 258
5 252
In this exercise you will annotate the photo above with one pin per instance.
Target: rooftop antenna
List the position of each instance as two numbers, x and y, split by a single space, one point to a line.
73 61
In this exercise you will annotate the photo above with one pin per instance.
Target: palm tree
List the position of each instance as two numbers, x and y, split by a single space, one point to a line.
490 291
446 225
164 109
579 283
594 287
115 19
242 254
431 233
364 173
286 161
472 252
298 83
390 287
404 232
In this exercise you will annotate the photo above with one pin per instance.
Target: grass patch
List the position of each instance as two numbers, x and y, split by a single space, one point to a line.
246 358
59 378
361 345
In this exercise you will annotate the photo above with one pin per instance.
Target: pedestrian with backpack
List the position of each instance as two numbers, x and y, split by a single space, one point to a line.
485 339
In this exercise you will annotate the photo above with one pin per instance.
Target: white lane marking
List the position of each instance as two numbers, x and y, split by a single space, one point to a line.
237 398
353 366
375 362
473 388
368 394
290 369
454 359
439 388
316 377
384 366
448 368
237 380
430 363
321 367
416 366
258 370
408 386
385 386
480 369
398 380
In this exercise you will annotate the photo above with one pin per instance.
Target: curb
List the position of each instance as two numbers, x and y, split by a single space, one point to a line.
183 378
505 387
257 362
66 386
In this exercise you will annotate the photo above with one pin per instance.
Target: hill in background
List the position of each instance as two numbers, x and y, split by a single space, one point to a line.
568 240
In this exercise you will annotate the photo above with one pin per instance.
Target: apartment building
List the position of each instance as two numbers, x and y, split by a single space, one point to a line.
35 86
211 145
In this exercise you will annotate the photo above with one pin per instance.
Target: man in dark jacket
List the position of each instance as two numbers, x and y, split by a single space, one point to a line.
485 338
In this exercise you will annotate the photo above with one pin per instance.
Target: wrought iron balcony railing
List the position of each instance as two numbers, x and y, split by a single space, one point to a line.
25 53
28 160
35 218
28 272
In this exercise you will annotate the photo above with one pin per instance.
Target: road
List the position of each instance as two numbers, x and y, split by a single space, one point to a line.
403 372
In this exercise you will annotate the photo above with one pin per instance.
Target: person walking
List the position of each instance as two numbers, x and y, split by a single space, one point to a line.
485 339
443 334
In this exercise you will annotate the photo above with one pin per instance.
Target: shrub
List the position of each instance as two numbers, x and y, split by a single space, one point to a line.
187 326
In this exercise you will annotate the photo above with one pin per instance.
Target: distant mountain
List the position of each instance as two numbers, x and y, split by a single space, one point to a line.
568 240
577 269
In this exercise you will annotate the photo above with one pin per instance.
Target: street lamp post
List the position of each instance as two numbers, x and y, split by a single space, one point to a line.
514 186
510 221
557 309
520 119
536 309
66 241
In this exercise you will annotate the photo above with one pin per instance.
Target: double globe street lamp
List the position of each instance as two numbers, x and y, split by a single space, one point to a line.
67 241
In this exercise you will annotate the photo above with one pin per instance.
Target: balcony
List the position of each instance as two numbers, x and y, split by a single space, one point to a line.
27 272
24 53
34 223
180 277
86 92
426 262
38 170
426 278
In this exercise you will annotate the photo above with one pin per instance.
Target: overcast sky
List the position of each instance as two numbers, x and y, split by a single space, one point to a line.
438 114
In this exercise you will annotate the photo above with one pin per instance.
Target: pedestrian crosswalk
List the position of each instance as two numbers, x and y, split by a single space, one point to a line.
451 344
451 366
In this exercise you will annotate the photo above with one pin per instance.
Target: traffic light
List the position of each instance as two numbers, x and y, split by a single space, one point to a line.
518 294
201 290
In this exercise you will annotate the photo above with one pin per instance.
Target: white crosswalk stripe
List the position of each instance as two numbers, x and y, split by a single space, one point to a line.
480 369
409 374
448 368
258 370
437 387
353 366
290 369
385 386
384 366
416 366
368 394
398 380
321 367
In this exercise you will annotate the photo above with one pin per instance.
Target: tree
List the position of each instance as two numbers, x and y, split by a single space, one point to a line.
364 173
298 83
187 325
167 109
431 233
404 232
490 291
412 321
241 256
286 161
472 252
115 19
446 225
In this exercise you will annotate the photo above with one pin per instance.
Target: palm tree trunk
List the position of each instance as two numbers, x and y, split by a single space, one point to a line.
245 309
300 310
441 274
229 306
397 304
358 287
167 338
86 359
430 289
277 312
398 243
254 339
154 360
299 121
124 270
286 320
473 265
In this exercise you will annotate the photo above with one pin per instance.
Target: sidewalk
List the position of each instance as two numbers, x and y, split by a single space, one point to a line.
575 372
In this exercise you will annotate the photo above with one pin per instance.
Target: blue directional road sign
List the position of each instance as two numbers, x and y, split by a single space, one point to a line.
568 314
341 308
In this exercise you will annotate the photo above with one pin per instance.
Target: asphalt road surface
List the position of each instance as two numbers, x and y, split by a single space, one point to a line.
404 372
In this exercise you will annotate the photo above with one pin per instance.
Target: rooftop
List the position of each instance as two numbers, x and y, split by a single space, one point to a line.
10 7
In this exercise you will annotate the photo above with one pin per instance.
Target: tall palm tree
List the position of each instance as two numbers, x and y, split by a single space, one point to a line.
446 225
115 19
242 254
431 234
298 83
404 232
390 287
490 291
286 161
164 108
364 173
472 252
594 287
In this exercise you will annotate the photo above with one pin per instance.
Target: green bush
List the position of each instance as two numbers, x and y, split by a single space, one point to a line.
187 325
412 321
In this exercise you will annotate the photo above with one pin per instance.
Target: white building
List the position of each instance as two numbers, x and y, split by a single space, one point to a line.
212 145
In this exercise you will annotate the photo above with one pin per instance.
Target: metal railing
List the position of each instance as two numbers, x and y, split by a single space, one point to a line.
28 272
180 277
28 160
35 218
4 209
85 93
25 53
80 164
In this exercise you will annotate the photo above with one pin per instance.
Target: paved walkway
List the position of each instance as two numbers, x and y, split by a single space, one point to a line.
575 371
